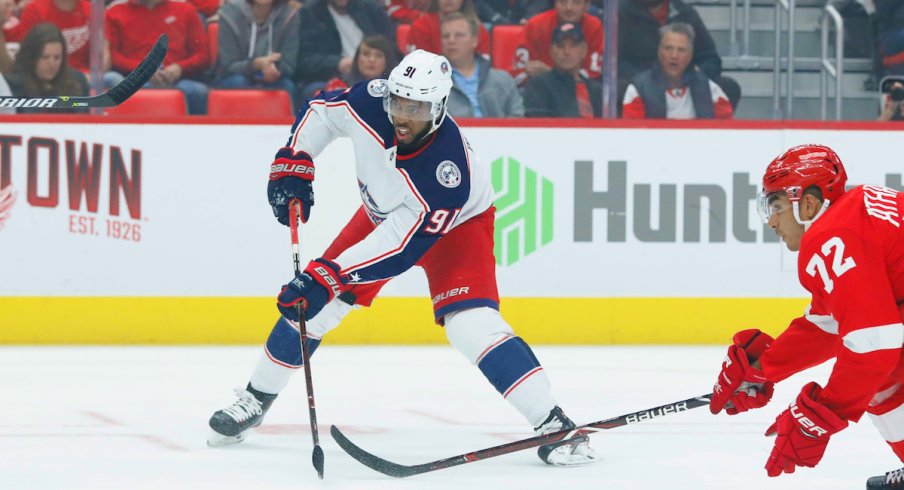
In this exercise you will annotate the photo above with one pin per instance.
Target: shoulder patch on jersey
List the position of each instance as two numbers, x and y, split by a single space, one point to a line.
448 174
377 87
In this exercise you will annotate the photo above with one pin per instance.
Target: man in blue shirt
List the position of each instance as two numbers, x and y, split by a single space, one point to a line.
478 90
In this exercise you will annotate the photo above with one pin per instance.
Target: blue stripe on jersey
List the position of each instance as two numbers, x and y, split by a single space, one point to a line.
368 108
284 343
507 363
465 305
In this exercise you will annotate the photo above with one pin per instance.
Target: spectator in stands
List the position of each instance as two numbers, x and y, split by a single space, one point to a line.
893 97
425 32
5 91
564 91
9 15
406 11
207 8
507 12
478 90
71 17
673 88
375 58
133 27
331 31
539 30
638 40
890 35
534 7
257 45
6 59
42 68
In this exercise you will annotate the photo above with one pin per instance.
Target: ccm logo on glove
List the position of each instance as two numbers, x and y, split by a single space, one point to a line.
807 424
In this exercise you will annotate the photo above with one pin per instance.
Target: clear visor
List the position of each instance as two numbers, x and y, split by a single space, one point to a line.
771 204
416 110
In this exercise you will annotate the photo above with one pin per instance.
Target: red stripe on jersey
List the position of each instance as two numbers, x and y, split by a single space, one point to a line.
416 153
354 115
523 378
407 239
390 253
298 129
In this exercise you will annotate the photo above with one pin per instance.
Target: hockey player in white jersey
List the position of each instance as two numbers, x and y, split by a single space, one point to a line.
427 201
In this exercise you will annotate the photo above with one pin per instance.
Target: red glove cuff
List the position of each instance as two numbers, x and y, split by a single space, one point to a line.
327 274
290 163
753 342
814 418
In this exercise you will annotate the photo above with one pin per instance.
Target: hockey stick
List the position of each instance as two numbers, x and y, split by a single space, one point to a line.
113 97
317 456
401 471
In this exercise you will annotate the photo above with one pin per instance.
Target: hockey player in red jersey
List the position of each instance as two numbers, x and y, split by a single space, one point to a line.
851 260
426 200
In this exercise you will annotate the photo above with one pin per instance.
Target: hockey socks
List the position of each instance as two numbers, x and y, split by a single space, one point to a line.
282 353
511 367
506 360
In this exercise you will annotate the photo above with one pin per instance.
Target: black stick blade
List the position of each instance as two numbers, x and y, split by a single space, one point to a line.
375 463
317 457
396 470
141 74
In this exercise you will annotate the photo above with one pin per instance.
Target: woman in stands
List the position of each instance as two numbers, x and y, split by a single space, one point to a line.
374 58
425 32
42 68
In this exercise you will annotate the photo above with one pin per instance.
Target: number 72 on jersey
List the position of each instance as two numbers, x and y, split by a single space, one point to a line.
832 251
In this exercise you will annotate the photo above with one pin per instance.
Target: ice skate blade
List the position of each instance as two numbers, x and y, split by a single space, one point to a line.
582 456
215 439
573 463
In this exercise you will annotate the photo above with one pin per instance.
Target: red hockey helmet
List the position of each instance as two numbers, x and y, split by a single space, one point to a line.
799 168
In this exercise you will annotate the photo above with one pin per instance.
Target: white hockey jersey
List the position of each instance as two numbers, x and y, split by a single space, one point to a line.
413 199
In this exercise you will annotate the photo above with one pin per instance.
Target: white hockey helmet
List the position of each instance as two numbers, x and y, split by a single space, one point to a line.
421 76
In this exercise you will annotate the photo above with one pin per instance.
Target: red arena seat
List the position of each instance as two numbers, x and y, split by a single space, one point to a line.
249 103
213 30
152 103
401 37
505 51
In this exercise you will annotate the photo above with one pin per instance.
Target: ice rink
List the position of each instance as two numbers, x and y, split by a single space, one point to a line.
136 418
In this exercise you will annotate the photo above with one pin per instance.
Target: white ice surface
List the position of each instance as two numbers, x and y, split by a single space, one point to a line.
136 418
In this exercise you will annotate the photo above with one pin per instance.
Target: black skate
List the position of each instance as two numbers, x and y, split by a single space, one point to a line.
231 423
571 452
891 480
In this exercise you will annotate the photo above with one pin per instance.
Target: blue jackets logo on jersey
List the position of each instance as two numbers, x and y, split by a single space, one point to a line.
370 206
377 88
448 174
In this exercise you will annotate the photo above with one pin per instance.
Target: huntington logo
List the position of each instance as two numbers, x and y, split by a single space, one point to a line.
524 209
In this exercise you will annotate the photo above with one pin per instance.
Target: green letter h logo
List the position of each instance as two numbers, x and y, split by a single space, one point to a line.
523 210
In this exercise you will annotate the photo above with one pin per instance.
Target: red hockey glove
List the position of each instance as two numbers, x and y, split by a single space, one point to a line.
291 177
803 432
741 386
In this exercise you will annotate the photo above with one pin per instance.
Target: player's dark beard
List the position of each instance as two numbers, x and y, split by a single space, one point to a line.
417 143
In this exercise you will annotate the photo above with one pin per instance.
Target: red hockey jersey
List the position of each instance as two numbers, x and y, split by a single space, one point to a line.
852 262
